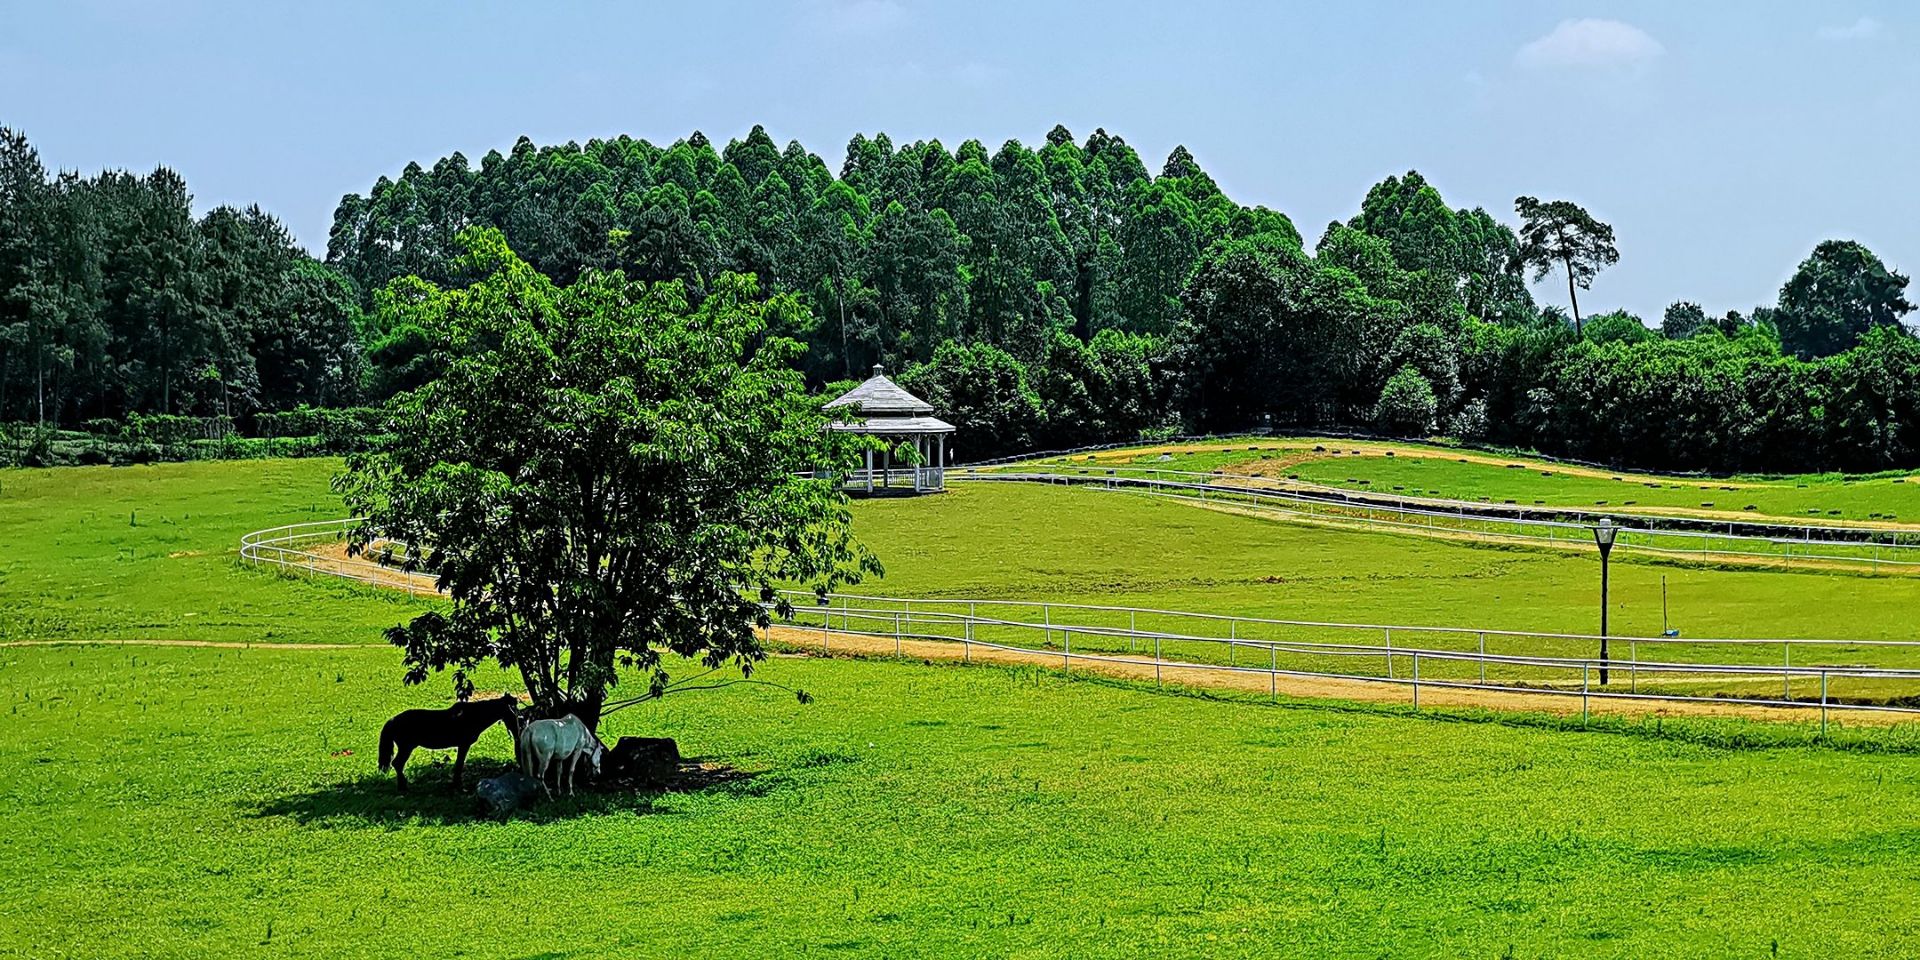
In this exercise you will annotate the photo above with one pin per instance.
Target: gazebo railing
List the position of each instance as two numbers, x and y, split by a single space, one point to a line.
921 478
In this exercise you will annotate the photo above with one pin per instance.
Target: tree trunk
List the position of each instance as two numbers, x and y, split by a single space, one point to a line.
1574 297
846 362
588 710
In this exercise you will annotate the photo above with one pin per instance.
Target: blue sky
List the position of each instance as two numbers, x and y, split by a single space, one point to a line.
1721 140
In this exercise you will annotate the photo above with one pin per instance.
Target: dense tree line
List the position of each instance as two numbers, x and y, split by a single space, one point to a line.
1039 296
115 299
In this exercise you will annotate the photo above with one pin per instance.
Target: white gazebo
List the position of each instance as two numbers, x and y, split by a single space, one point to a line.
879 407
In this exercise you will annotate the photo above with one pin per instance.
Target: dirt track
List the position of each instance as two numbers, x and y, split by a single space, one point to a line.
809 641
836 644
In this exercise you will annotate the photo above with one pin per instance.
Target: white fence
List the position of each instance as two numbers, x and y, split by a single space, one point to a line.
1412 657
1862 548
1807 674
300 548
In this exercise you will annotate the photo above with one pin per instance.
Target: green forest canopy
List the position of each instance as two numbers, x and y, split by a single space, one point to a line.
1040 296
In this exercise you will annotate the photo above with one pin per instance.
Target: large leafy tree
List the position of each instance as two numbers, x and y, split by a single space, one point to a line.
603 475
984 391
1839 293
1562 234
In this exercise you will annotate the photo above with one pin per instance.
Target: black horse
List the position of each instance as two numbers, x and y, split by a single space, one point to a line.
455 728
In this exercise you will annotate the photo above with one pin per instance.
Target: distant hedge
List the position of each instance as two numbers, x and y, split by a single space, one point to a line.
158 438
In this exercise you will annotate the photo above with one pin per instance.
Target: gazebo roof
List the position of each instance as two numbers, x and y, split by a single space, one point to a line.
881 397
894 426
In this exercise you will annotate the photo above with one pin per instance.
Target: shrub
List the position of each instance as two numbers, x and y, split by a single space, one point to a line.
1407 405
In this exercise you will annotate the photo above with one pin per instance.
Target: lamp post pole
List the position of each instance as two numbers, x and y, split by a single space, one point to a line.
1603 534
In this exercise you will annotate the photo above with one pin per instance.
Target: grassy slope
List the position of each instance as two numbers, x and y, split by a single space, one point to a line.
72 567
1022 541
149 553
1420 470
177 801
920 811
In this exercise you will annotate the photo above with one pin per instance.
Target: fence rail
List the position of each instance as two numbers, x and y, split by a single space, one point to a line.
1797 673
290 548
1252 647
1871 549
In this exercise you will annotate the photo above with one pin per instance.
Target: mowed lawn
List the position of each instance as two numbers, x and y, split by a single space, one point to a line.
171 802
1433 471
1007 540
148 553
177 801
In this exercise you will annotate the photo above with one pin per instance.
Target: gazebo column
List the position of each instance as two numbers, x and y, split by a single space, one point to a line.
940 459
869 469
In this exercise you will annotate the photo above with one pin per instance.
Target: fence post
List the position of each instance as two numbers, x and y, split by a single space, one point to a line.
826 623
1786 671
1633 664
1132 632
1586 672
1823 703
1066 651
1483 658
1416 679
896 634
1389 632
1273 673
1157 682
1046 624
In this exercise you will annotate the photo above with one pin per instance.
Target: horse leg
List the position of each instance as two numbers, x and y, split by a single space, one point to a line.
400 764
460 763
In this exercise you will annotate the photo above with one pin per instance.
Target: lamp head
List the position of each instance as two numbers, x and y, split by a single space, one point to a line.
1604 531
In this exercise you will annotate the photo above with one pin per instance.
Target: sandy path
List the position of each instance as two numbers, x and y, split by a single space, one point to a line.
1257 470
1300 450
809 641
837 644
1862 567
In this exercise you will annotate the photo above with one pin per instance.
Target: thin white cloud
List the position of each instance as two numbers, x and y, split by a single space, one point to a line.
864 16
1860 29
1590 43
974 73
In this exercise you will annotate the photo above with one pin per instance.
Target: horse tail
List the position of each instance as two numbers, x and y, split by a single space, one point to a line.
386 748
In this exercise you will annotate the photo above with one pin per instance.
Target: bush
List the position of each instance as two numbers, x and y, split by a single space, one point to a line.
1407 405
1471 423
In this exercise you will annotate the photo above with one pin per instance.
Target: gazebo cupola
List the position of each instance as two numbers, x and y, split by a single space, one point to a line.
879 407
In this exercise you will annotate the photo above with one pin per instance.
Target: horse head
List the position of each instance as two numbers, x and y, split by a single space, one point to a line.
505 709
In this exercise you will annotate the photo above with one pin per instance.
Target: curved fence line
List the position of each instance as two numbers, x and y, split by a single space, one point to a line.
1649 517
1469 658
1409 667
1702 546
286 546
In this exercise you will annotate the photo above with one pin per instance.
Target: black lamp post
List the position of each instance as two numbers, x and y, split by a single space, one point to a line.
1603 534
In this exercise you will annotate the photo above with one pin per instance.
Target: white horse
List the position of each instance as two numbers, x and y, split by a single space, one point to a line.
566 742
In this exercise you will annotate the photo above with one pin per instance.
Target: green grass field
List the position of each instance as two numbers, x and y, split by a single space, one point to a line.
144 553
1433 471
196 803
168 801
